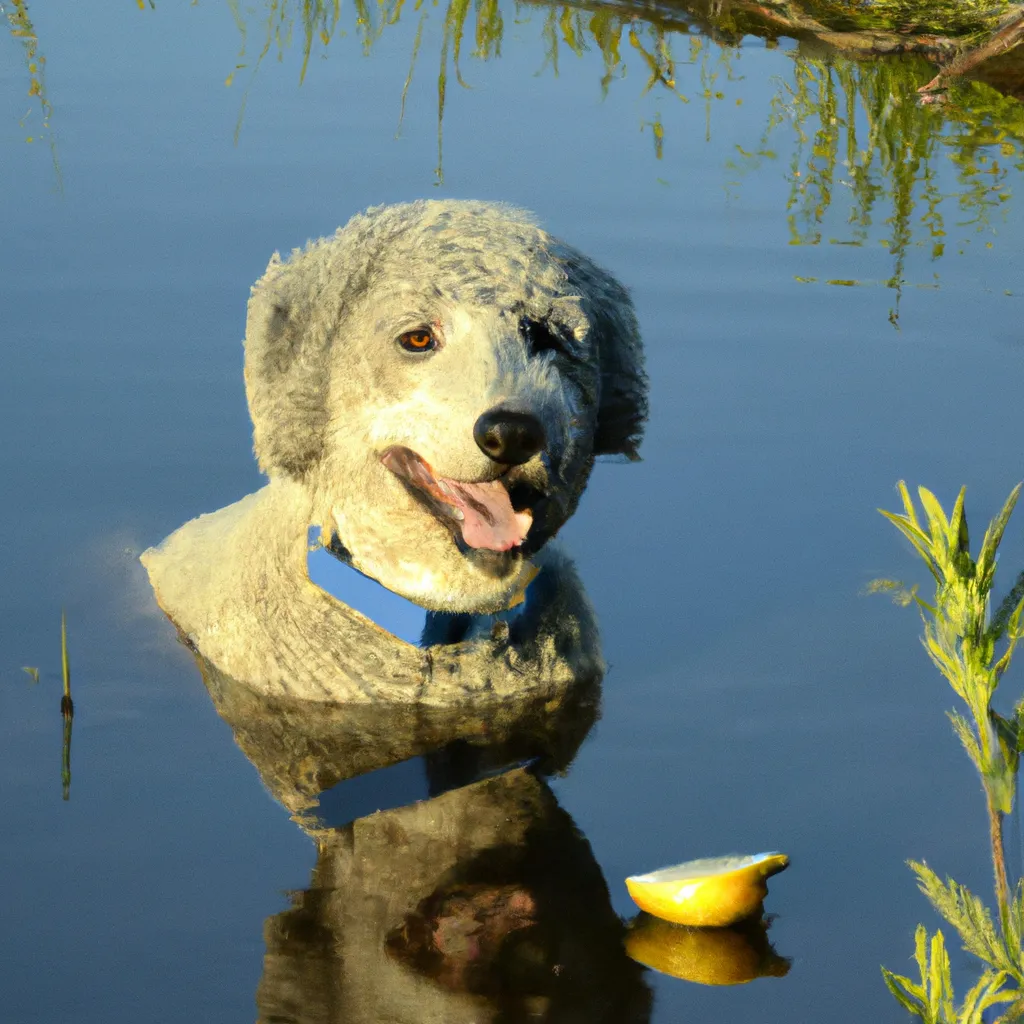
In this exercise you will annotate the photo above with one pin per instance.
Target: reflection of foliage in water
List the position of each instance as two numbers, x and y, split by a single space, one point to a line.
613 32
22 30
860 132
864 146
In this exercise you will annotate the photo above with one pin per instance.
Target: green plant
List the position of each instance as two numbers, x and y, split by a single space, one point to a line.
933 1000
67 710
972 648
67 707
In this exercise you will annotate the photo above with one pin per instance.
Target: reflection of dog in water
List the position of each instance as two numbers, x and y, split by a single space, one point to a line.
430 388
479 904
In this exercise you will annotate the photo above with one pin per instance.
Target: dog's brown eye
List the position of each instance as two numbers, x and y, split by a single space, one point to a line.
417 341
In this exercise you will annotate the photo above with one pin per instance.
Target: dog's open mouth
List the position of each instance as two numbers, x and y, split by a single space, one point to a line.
493 515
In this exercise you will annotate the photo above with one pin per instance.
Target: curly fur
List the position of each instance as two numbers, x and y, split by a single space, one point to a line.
329 391
457 253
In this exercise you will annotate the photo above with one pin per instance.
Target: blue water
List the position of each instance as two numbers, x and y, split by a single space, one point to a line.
755 699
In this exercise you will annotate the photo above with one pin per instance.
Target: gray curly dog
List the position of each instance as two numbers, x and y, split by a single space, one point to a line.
429 388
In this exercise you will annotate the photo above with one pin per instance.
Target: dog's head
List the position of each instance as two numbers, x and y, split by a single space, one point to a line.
440 376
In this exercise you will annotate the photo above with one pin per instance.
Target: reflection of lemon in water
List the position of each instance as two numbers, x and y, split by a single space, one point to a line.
708 893
707 956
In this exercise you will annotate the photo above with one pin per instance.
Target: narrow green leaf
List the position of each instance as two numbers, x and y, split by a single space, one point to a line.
945 662
993 536
970 1012
908 528
1013 626
900 988
940 985
987 992
1014 1014
958 536
1014 935
965 734
64 663
908 504
922 544
938 524
921 951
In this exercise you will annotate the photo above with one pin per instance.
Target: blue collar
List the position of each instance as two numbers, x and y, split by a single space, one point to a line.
395 614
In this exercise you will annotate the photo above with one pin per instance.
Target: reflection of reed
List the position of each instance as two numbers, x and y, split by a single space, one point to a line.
65 758
609 29
23 31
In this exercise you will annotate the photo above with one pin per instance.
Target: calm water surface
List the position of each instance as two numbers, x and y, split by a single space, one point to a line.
755 700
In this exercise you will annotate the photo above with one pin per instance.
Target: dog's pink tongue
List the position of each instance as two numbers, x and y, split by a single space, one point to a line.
490 521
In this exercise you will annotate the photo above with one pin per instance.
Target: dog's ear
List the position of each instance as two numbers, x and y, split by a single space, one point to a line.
622 413
287 337
295 313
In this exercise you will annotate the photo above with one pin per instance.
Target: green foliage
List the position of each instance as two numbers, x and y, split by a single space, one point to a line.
932 998
959 637
972 650
67 707
973 921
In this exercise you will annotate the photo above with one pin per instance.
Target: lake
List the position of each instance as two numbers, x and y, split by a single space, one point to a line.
829 277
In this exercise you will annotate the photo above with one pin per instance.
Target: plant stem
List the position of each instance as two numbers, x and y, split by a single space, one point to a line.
995 826
67 707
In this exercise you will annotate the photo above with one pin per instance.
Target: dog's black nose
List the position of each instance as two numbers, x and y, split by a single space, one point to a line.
508 436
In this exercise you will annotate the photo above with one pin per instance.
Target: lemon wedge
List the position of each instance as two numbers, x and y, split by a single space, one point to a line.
706 956
710 893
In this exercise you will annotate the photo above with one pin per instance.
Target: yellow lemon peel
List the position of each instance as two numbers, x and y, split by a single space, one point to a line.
710 893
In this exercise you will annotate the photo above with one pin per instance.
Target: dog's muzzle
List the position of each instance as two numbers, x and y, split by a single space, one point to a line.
489 515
